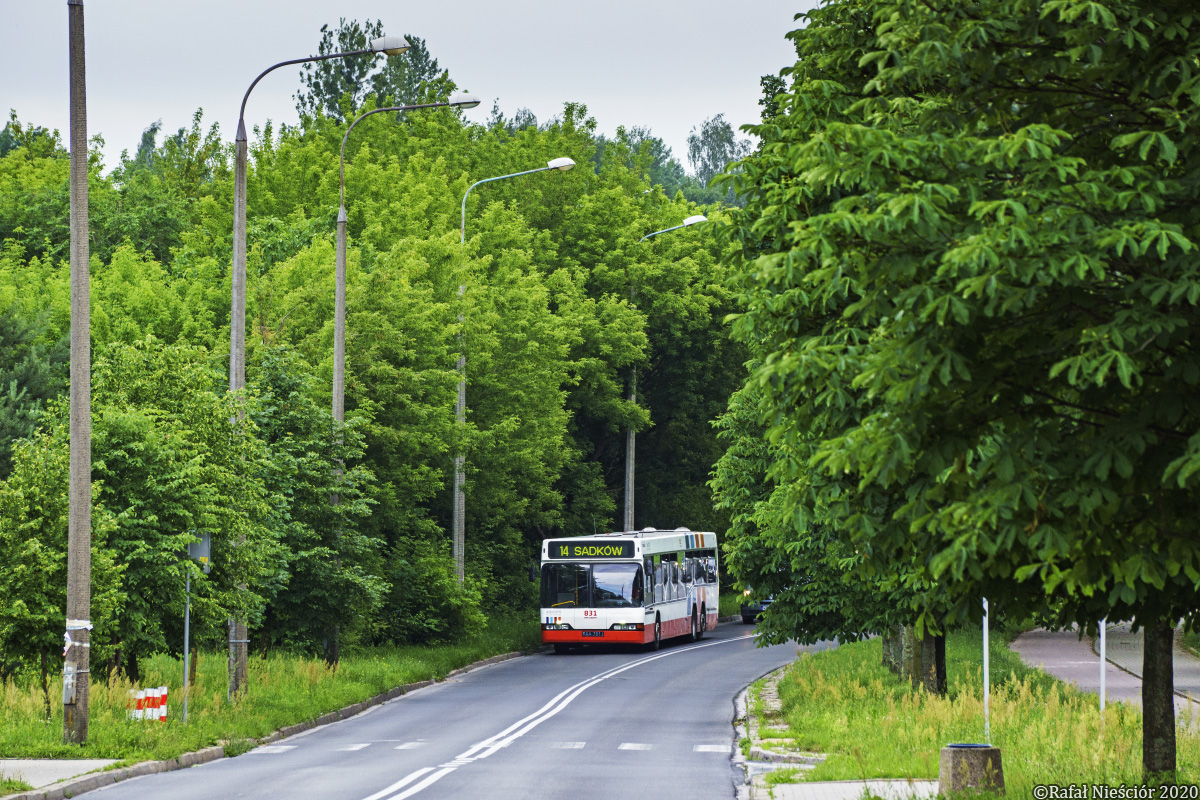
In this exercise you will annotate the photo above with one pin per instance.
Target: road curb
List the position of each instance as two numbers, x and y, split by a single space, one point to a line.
96 780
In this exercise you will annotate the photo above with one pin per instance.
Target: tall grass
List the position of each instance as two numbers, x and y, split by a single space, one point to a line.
844 703
283 690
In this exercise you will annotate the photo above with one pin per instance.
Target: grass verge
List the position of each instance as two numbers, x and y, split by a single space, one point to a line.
730 605
12 786
283 690
844 703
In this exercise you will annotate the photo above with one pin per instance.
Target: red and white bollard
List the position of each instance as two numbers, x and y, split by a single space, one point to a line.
162 704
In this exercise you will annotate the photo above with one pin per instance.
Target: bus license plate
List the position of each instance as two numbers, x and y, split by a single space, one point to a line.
593 633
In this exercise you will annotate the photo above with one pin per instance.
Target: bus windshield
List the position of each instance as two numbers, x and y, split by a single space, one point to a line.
591 585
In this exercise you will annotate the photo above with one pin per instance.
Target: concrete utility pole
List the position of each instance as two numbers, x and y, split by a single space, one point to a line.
79 526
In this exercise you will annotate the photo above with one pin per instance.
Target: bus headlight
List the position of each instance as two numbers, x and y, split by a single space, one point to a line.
628 626
555 626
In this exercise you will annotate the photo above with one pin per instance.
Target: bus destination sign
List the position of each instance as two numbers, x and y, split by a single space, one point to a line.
569 549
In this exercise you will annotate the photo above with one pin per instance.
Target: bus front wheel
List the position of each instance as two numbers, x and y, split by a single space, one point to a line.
657 643
695 634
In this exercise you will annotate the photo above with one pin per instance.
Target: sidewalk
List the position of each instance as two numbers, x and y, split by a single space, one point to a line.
39 772
1063 655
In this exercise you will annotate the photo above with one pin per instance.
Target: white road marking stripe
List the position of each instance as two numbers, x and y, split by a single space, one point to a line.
568 745
400 784
441 773
634 746
513 732
542 714
711 748
274 748
409 745
351 747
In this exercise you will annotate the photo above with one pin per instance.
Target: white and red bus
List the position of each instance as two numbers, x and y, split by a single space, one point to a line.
636 587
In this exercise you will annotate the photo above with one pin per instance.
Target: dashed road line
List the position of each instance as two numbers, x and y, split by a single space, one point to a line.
635 746
711 748
351 747
568 745
274 748
522 726
409 745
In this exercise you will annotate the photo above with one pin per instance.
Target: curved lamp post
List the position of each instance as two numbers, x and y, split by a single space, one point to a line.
457 100
460 406
630 435
388 45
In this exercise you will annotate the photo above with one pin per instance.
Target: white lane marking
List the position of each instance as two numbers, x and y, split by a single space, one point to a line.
564 698
711 748
634 746
409 745
400 784
441 773
568 745
274 748
351 747
507 736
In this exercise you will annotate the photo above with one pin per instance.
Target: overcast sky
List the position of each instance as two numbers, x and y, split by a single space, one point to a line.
664 64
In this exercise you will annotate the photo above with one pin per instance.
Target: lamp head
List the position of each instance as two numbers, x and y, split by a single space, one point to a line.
390 45
563 164
694 219
463 100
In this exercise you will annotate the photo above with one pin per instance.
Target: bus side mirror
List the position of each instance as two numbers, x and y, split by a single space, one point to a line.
533 573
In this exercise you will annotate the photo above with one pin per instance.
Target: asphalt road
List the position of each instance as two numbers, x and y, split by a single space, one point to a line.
585 725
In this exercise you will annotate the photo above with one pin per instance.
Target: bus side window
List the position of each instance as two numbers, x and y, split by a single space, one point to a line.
660 583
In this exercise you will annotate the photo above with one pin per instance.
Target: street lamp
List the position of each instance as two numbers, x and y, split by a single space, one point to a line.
388 45
630 435
460 406
457 100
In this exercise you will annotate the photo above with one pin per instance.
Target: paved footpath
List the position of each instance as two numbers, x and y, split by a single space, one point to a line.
1063 655
39 772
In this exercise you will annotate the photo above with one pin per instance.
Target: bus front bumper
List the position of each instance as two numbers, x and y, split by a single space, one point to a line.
597 637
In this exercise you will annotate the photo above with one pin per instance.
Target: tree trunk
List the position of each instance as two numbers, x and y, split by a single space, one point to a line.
333 646
897 649
910 666
933 663
46 681
885 649
132 671
1158 704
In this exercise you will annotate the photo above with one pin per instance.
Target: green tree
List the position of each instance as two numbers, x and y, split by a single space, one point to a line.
711 148
33 552
400 80
168 467
32 371
968 270
328 581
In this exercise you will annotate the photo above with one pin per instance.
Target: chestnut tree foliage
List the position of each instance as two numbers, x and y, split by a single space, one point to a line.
969 274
